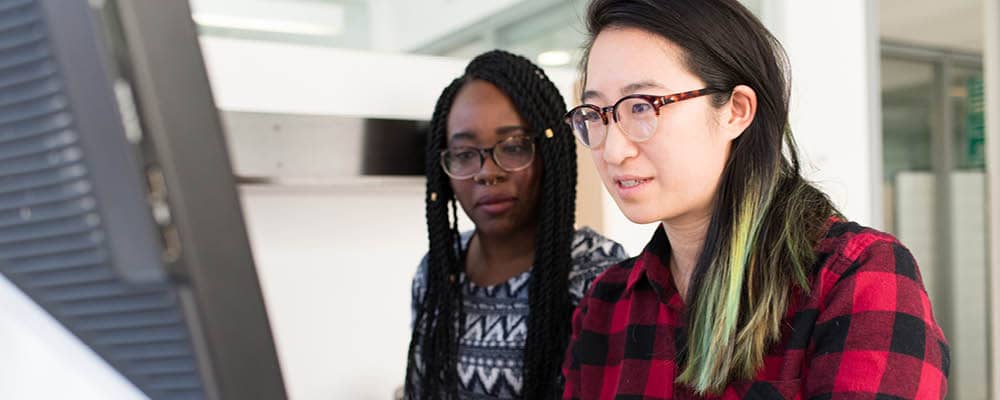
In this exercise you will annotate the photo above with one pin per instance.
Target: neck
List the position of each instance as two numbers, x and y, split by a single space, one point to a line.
687 238
495 258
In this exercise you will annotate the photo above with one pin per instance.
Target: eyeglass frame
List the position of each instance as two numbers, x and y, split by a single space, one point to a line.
482 156
656 101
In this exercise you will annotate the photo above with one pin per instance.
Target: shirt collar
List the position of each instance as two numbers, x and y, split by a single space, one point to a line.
652 266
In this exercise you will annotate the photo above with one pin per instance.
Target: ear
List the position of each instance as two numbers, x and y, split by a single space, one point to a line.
737 114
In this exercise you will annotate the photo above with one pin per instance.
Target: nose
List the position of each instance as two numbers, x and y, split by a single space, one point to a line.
490 173
617 147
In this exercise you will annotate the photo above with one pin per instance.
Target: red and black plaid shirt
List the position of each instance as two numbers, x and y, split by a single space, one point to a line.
866 330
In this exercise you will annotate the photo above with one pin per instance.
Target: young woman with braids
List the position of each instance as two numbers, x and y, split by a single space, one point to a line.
754 286
491 308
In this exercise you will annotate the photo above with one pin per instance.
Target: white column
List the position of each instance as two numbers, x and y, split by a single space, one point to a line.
991 66
833 48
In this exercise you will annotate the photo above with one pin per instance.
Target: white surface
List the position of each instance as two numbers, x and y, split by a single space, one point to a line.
833 113
43 360
335 266
631 236
956 23
294 146
991 67
297 79
966 292
969 285
418 23
273 77
298 18
915 224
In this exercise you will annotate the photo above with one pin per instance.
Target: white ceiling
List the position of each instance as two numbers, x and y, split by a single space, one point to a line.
948 24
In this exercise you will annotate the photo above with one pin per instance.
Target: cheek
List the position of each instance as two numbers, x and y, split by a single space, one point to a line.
691 164
529 181
602 168
463 190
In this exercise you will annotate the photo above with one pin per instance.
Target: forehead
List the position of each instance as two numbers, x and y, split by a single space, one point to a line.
480 108
623 56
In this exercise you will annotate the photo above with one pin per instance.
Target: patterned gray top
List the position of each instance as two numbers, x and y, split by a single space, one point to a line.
496 317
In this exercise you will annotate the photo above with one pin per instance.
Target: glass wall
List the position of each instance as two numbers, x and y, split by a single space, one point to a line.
935 197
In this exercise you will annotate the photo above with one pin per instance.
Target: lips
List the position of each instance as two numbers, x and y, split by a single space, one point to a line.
630 181
630 185
496 204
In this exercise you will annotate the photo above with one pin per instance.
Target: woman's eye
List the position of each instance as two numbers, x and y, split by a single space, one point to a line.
640 108
515 149
464 156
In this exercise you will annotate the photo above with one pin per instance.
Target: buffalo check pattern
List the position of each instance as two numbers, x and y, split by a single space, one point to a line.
864 331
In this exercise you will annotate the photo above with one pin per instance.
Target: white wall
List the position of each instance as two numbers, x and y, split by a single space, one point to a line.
969 290
835 111
966 287
633 237
293 17
402 25
991 67
43 360
297 79
335 266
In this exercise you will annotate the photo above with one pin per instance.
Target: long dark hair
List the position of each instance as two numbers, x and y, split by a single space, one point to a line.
766 218
539 103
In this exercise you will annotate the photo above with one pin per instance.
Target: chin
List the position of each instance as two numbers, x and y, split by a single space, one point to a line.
494 227
641 219
638 213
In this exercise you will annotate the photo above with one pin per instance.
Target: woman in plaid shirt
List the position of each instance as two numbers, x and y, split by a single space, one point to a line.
753 286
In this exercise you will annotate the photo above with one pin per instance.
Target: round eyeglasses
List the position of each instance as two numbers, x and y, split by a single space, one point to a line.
636 116
511 154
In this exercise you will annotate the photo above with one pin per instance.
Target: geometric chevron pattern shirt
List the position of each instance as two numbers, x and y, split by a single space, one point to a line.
496 318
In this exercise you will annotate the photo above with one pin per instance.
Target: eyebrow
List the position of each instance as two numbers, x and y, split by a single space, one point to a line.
503 130
464 135
506 130
625 90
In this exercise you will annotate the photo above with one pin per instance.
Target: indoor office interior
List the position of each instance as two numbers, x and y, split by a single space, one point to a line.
315 178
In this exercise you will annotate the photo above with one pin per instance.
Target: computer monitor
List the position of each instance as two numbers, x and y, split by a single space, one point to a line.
118 209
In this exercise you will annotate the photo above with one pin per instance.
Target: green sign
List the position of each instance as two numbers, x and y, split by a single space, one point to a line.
975 129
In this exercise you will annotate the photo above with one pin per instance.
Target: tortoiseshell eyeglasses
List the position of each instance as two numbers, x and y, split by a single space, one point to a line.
637 120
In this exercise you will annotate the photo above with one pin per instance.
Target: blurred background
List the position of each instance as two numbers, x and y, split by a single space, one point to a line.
325 102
